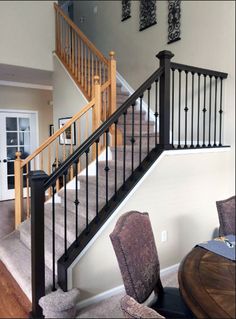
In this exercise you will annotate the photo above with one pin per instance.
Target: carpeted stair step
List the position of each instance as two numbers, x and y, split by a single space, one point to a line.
25 237
136 128
128 152
17 258
82 204
59 220
129 118
101 186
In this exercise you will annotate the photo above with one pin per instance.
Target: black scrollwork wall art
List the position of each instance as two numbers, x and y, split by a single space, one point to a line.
173 21
147 14
126 9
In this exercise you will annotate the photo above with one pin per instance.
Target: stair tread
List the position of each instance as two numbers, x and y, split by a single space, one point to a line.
17 258
25 237
59 221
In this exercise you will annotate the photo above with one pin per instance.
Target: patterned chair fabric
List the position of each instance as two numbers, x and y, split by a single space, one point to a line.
140 272
226 213
132 309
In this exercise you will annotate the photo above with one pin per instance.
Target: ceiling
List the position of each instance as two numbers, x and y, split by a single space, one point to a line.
19 74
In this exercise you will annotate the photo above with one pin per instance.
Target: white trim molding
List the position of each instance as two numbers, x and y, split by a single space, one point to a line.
27 85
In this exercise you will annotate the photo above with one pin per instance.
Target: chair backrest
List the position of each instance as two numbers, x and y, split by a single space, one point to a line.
135 249
226 213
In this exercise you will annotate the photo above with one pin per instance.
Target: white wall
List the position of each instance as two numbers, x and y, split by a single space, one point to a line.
27 33
180 193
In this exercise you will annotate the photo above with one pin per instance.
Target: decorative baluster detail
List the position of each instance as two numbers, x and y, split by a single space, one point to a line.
65 214
124 149
179 126
76 201
148 123
97 184
87 208
116 122
107 167
156 114
204 113
216 78
186 111
53 240
140 129
173 105
192 113
209 134
198 111
220 112
132 139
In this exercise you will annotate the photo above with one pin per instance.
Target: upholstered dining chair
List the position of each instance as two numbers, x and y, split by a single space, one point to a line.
136 252
226 214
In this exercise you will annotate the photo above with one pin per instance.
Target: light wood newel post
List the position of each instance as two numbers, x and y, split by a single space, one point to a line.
97 109
112 77
18 189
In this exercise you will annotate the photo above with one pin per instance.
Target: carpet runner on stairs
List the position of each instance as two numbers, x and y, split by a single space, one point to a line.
15 248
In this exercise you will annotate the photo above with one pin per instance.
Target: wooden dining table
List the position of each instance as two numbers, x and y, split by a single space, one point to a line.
207 284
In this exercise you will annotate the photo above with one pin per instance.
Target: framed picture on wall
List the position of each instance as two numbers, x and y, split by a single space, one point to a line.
68 136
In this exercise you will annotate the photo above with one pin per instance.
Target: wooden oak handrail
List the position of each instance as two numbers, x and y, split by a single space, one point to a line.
81 35
58 132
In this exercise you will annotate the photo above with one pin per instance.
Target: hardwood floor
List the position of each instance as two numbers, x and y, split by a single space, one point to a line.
13 302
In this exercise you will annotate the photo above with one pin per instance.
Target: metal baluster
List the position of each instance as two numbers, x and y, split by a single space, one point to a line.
65 215
53 240
76 200
209 142
116 157
216 78
204 113
97 141
192 110
179 146
173 104
107 168
140 129
186 111
87 208
156 113
198 111
124 148
148 119
220 112
132 140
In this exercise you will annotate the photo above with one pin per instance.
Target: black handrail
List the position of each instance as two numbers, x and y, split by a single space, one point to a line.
102 129
194 69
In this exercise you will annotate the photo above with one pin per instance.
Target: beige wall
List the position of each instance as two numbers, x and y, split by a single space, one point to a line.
27 33
180 193
29 99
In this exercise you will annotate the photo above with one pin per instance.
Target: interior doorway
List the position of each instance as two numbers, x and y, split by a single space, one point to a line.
18 132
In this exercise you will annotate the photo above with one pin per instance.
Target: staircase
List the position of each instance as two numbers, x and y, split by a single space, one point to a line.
126 139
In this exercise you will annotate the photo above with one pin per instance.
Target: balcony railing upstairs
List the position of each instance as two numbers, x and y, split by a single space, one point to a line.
83 60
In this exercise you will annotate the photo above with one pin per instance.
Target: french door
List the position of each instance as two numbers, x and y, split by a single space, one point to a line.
17 133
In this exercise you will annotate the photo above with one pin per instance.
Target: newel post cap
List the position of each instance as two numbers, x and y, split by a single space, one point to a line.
112 54
165 54
18 155
96 79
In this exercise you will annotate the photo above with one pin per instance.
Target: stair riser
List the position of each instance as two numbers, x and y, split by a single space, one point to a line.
129 119
137 129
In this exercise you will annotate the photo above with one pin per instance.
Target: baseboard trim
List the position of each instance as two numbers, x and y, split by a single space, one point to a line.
117 290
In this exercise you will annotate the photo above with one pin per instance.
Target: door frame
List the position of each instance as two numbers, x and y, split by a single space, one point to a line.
36 144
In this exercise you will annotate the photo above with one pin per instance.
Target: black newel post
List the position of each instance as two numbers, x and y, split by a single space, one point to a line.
37 179
164 124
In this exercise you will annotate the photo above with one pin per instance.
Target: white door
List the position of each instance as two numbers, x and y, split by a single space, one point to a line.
17 133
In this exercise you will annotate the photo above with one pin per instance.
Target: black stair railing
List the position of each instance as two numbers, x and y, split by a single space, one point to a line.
145 134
